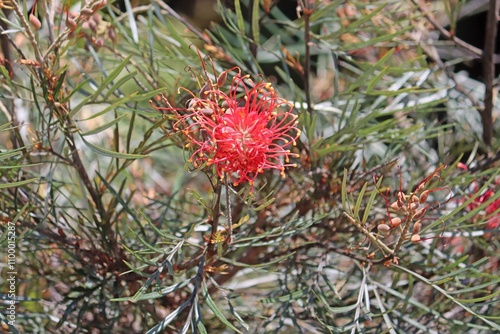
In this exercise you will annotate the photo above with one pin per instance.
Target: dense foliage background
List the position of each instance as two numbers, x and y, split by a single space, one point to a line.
388 223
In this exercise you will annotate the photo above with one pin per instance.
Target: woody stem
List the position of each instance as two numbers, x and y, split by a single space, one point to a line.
229 218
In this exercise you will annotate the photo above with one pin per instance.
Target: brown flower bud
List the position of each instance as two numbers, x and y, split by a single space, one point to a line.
191 103
413 206
92 25
100 4
417 227
35 22
395 222
395 206
383 228
419 214
112 34
424 196
97 18
86 12
221 79
70 23
98 43
415 238
207 111
420 187
205 90
401 196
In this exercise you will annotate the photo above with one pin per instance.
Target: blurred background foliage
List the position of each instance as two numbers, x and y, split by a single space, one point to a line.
113 230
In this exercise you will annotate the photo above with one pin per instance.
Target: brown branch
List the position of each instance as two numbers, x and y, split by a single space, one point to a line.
489 70
215 219
5 40
307 8
373 238
82 172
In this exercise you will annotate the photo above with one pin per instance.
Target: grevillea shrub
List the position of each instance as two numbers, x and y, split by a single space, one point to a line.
319 170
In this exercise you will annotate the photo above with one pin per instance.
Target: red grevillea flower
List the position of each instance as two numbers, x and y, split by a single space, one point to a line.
241 133
492 210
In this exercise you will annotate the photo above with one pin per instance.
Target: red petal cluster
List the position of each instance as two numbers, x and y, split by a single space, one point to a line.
241 133
492 209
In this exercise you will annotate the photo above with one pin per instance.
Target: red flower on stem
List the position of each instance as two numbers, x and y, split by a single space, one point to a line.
492 210
241 133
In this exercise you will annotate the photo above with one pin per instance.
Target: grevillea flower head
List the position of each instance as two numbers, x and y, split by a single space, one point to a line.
492 210
240 133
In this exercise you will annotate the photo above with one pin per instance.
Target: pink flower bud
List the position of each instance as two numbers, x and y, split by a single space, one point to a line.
395 222
86 12
415 238
35 22
419 214
417 227
424 196
383 228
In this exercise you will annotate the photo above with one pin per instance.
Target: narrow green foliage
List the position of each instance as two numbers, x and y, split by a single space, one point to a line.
217 312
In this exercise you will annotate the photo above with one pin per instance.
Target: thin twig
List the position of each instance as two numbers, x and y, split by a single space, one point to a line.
370 236
307 8
216 215
29 32
49 16
5 40
489 70
229 239
403 237
80 168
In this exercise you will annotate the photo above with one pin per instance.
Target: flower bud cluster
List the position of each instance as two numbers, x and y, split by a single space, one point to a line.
410 211
94 28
